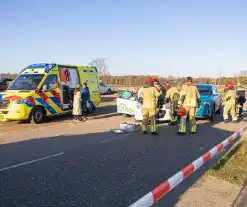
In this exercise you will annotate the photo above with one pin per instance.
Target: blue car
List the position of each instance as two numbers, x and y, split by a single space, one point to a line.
210 101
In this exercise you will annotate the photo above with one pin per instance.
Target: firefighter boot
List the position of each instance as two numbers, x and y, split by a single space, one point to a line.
153 128
173 120
145 124
182 125
193 125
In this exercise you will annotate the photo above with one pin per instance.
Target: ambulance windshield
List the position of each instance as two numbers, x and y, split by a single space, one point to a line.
26 82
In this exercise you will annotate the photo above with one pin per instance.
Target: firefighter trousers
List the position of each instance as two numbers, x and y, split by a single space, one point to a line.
232 109
189 111
174 106
148 115
241 101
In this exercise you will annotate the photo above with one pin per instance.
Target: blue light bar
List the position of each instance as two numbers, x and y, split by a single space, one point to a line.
38 65
49 67
46 66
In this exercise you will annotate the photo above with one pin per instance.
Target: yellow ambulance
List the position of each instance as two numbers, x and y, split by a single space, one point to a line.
43 90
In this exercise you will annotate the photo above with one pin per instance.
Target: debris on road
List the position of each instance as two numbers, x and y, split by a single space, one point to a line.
130 127
117 131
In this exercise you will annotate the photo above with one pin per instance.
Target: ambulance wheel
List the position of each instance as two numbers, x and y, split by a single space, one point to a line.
38 115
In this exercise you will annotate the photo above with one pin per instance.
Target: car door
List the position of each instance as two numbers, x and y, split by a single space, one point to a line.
50 94
217 98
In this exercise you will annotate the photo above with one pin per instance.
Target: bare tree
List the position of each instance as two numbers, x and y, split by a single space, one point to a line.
101 66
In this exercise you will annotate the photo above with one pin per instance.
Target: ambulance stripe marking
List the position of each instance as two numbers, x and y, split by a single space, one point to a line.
56 101
46 105
29 104
8 97
56 95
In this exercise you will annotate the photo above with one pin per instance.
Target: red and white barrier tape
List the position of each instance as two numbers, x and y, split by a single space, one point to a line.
165 187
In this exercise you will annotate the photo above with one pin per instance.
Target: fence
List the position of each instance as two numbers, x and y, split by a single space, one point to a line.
133 80
139 80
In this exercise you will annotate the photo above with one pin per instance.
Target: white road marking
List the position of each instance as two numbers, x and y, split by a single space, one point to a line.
31 161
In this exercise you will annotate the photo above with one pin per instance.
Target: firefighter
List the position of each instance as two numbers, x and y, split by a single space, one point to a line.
172 95
167 85
149 96
160 100
189 100
240 93
230 101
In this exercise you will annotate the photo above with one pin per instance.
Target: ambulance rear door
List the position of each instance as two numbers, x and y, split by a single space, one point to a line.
89 76
69 78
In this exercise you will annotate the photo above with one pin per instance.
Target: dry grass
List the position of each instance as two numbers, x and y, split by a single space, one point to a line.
232 167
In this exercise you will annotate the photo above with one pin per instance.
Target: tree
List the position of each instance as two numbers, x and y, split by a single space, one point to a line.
101 66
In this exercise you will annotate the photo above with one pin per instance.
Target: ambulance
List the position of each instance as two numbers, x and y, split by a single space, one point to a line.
44 90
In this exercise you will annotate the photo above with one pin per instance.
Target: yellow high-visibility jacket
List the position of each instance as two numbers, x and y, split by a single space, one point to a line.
191 94
170 93
150 96
230 98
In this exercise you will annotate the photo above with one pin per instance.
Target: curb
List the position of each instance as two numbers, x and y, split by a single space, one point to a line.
160 191
241 200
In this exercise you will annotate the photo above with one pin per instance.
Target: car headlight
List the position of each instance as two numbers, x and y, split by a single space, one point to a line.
22 101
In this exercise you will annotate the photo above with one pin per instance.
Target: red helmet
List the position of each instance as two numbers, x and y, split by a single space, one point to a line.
180 111
156 80
149 80
229 85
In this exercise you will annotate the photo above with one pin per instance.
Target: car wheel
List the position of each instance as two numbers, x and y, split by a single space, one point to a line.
218 111
212 115
38 115
109 91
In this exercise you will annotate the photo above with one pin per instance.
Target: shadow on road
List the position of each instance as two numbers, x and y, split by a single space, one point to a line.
101 112
108 98
102 169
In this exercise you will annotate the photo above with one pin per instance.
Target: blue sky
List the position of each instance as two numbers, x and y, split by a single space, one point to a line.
179 38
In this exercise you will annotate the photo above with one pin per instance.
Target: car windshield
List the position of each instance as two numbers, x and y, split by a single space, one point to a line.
26 82
205 90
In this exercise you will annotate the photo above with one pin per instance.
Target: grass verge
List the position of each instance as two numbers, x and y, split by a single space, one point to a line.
232 167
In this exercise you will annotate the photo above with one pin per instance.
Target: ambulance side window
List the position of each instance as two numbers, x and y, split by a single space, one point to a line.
50 83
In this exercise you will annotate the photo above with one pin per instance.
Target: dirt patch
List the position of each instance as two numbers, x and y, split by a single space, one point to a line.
232 167
213 192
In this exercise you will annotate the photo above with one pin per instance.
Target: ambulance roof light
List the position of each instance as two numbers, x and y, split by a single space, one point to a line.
46 66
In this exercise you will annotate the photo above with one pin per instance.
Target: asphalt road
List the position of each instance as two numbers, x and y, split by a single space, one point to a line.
101 168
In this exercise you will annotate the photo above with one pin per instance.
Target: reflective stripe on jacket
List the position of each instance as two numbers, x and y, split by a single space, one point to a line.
191 94
150 96
230 97
170 93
